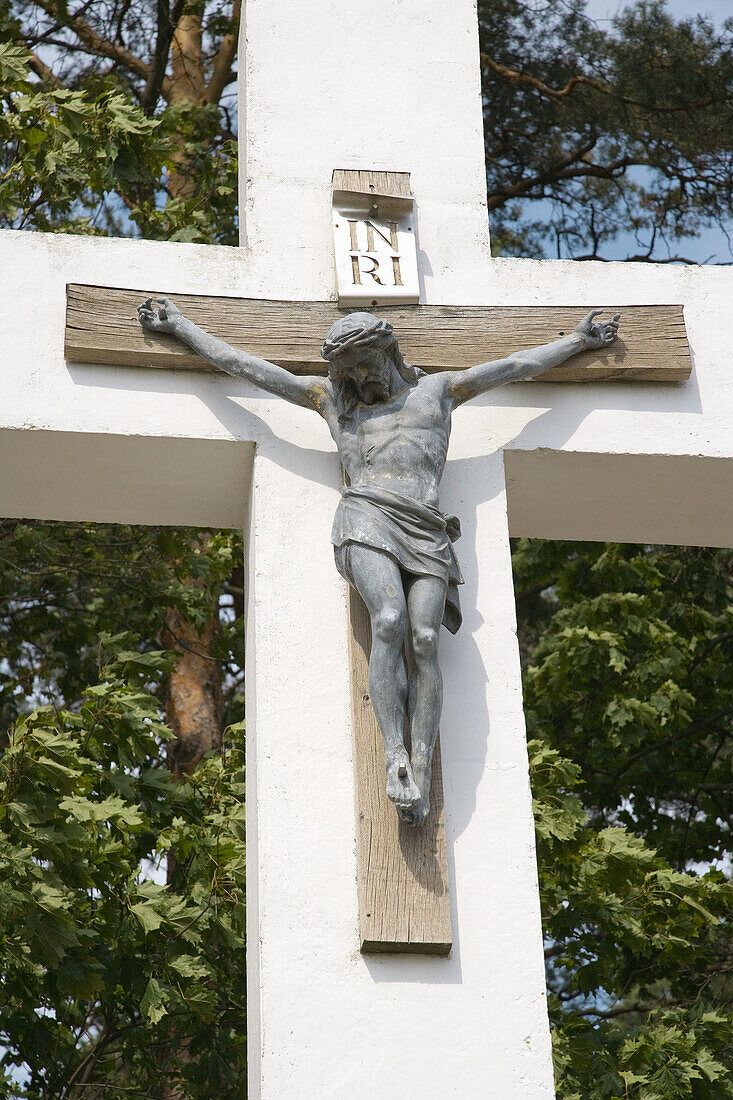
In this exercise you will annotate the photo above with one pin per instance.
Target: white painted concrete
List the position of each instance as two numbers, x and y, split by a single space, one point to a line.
124 478
679 499
393 86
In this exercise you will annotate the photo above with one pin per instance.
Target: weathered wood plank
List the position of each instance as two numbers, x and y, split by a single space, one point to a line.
396 184
102 327
402 872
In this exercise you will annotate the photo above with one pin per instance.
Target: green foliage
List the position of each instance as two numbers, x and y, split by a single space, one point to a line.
206 212
107 973
63 149
632 677
627 668
64 152
668 1057
62 585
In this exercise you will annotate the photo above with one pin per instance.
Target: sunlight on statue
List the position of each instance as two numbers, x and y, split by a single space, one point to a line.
391 425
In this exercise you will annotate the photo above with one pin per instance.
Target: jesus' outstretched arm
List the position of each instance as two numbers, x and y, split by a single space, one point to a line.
306 390
589 334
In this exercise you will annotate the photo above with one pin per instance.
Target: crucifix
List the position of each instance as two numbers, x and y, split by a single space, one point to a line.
454 997
390 420
391 426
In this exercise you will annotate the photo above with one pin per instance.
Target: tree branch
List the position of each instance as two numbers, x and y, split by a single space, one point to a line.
666 743
41 69
612 1013
187 82
516 77
556 94
99 45
222 66
86 1066
167 22
559 170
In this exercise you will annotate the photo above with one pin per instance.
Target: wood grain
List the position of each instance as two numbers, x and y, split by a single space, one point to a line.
395 184
102 327
402 872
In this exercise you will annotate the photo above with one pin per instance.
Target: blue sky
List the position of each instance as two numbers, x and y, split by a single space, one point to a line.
716 9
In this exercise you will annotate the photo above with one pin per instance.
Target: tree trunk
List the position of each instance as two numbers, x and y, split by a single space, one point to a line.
193 705
193 711
187 84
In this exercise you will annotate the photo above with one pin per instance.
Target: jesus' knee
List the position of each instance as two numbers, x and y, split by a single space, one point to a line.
425 644
388 625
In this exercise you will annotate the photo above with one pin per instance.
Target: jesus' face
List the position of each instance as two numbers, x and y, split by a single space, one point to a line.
371 371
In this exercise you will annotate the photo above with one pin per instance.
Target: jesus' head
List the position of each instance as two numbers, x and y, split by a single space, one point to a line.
363 356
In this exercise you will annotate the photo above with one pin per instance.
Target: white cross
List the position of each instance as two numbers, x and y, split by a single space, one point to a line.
393 85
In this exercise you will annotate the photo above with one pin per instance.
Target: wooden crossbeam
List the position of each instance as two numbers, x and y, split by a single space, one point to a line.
102 327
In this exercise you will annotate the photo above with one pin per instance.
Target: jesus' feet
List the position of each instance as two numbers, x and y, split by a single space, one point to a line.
417 813
401 785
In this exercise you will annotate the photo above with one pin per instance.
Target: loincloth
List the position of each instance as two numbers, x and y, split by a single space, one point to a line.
418 537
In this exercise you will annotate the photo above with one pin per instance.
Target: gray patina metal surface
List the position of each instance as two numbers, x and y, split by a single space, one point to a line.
391 425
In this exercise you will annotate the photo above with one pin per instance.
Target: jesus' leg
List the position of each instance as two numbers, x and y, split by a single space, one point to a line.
425 604
379 583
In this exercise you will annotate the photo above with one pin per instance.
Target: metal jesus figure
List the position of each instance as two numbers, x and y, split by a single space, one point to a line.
391 424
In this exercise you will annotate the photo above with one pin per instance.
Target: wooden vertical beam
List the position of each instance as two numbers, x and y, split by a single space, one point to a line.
404 898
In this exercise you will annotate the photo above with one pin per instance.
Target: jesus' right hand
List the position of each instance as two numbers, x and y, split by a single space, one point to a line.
163 319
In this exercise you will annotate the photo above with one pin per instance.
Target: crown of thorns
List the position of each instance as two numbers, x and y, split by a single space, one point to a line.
358 330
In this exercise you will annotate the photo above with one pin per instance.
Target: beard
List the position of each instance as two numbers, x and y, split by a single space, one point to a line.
376 386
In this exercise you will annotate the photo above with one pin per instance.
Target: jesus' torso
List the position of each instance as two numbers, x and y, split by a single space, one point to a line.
399 444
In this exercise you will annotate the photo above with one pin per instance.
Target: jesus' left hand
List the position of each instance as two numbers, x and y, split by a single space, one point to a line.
598 334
